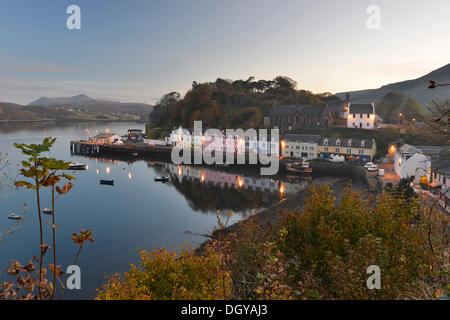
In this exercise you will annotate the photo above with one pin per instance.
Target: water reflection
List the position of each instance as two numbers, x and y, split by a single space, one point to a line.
210 189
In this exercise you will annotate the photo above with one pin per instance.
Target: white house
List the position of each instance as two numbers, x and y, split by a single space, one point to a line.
180 137
107 138
300 146
361 116
414 161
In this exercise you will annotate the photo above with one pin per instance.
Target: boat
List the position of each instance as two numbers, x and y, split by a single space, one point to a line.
47 211
13 216
299 168
107 182
162 179
77 166
134 154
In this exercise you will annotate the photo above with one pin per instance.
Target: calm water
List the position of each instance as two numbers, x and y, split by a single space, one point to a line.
136 213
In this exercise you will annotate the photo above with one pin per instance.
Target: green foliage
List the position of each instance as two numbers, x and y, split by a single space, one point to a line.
169 275
412 109
335 244
390 106
240 103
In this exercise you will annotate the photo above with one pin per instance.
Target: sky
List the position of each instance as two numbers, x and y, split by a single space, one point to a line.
138 50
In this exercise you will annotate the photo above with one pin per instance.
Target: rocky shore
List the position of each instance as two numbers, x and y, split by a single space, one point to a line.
294 202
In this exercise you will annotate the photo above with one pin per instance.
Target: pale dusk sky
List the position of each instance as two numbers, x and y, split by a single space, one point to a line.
137 50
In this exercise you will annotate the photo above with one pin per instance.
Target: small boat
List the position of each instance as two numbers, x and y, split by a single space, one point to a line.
134 154
13 216
300 168
162 179
47 211
77 166
107 182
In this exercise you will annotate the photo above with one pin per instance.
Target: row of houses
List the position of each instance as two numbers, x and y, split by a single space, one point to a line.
310 147
303 146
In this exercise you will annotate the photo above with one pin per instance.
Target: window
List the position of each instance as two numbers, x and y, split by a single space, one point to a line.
360 115
354 116
367 124
368 116
326 149
338 150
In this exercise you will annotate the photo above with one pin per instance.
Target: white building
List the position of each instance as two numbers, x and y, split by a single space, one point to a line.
222 143
414 161
361 116
300 146
180 137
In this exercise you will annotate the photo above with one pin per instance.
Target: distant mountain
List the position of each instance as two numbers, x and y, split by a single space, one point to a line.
417 88
83 103
57 102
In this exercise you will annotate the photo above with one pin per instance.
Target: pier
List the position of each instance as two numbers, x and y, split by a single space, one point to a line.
97 149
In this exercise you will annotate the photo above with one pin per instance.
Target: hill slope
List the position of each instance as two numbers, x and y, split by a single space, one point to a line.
83 103
417 88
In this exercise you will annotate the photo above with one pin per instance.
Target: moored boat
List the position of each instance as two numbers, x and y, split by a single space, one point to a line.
107 182
47 211
77 166
303 168
162 179
14 216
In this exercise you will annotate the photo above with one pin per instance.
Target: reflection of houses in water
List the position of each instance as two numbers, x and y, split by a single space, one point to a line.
224 179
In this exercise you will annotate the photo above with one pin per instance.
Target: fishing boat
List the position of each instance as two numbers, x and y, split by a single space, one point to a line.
77 166
47 211
107 182
14 216
303 168
162 179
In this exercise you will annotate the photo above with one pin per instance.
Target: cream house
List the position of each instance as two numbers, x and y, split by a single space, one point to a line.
300 146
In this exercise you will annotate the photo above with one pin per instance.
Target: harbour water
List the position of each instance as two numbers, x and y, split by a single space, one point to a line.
135 213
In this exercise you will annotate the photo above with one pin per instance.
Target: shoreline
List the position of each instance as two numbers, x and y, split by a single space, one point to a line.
271 214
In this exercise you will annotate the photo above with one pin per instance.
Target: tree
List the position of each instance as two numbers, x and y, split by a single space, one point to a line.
197 105
412 109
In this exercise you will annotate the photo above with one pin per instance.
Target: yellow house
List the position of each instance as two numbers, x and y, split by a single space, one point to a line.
352 149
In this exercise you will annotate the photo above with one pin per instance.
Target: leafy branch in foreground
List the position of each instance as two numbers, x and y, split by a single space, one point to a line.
40 172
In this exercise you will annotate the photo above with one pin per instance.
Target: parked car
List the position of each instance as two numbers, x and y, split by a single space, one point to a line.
373 168
381 172
368 165
337 159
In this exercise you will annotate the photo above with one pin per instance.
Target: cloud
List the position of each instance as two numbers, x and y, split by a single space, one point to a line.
16 65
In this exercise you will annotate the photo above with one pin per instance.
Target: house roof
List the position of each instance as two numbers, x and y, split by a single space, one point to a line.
365 108
309 109
302 137
442 163
347 143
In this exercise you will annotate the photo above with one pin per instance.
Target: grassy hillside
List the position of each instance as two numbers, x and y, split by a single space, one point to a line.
416 88
14 112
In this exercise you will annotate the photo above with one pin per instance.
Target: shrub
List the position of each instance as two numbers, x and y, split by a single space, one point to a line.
170 275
